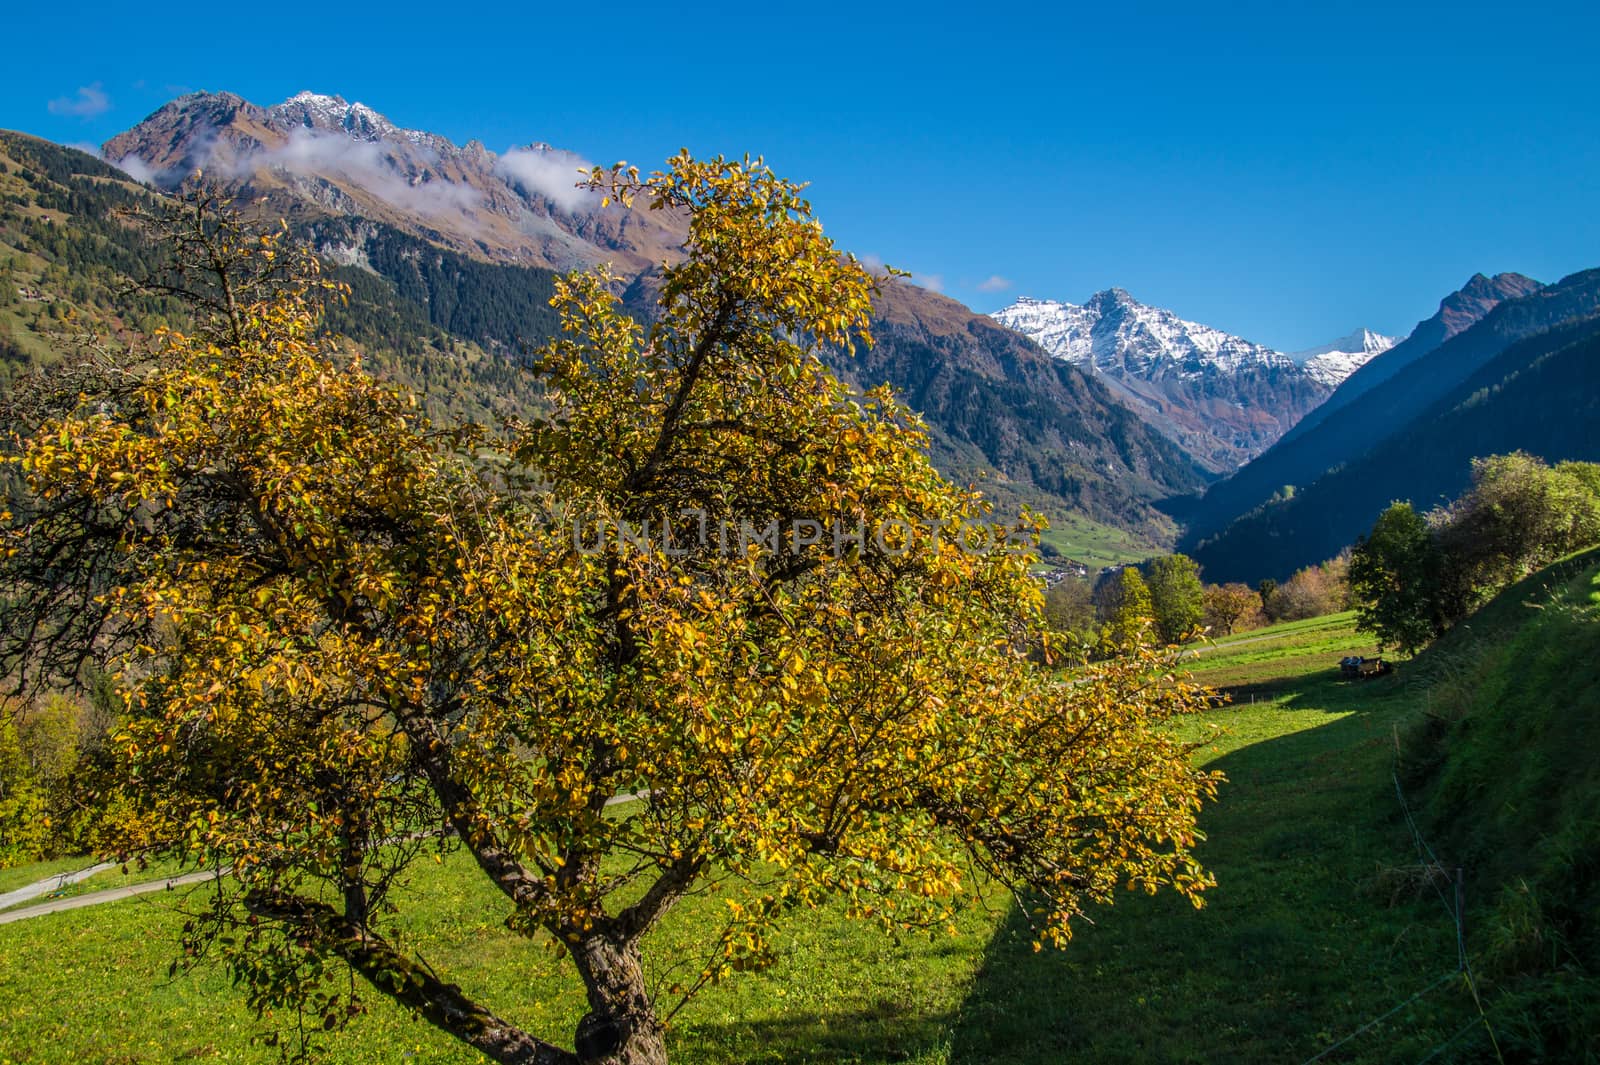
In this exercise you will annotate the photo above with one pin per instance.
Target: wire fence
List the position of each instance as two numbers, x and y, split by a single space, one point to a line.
1455 908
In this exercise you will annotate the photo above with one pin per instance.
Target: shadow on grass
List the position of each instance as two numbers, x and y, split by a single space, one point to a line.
887 1031
1325 689
1294 948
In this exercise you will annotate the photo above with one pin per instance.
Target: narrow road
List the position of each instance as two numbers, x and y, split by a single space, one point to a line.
51 883
95 898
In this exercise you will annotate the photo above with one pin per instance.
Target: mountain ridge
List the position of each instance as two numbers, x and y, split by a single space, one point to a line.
1250 518
1221 397
1002 414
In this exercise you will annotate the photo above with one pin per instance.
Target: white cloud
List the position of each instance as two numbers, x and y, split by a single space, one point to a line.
995 283
931 282
367 164
90 101
135 168
549 172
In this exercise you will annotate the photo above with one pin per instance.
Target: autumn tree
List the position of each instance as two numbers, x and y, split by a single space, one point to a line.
1313 591
709 575
1227 606
1133 615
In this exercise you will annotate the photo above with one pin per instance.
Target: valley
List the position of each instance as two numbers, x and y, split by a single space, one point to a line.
326 737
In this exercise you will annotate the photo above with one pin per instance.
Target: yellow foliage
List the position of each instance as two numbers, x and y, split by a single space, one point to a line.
363 625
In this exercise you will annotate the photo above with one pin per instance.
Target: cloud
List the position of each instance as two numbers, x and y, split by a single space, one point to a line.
548 172
90 101
135 168
367 164
931 282
995 283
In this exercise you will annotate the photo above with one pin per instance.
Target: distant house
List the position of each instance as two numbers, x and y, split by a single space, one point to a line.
1060 571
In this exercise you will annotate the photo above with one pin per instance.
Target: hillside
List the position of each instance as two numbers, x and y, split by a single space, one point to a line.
72 258
1403 403
1541 395
1004 416
1457 312
1502 760
1341 429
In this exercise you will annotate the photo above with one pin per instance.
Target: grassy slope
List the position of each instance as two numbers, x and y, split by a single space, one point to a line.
1318 924
1504 759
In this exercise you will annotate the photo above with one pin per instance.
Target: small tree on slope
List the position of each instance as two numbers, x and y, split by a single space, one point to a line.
340 628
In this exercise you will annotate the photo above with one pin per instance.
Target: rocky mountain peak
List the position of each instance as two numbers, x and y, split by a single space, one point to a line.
1480 295
320 154
1220 396
1336 360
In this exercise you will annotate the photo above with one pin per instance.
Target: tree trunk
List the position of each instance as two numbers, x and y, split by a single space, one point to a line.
621 1027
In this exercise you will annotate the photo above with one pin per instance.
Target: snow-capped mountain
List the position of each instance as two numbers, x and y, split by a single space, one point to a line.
1223 398
1115 333
1331 363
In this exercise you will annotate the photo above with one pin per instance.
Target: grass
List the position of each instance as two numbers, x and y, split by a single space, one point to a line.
23 875
1085 540
1304 939
1266 663
91 985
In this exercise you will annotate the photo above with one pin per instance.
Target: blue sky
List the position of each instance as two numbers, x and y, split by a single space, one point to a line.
1287 172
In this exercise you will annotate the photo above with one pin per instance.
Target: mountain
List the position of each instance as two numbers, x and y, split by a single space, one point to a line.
1385 394
1222 398
451 251
316 155
1331 363
1457 313
1525 376
1009 417
70 263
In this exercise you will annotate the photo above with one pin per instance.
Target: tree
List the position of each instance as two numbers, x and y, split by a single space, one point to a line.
1069 608
1271 600
1393 576
1133 616
1228 605
1314 591
1518 515
1176 597
710 575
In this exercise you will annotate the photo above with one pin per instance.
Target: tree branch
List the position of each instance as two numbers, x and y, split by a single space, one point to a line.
445 1006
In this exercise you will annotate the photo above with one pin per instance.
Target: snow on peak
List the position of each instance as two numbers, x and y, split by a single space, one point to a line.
1331 363
329 114
1114 333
